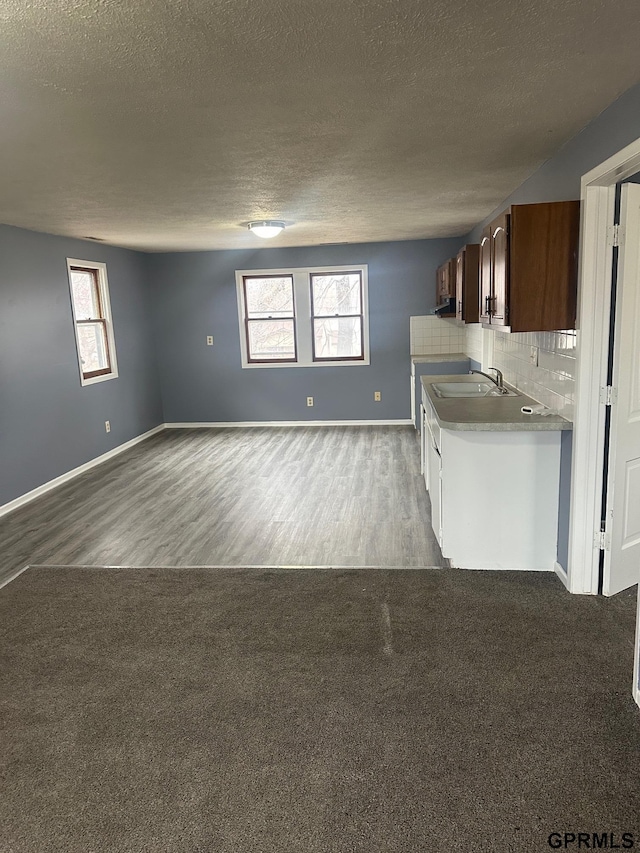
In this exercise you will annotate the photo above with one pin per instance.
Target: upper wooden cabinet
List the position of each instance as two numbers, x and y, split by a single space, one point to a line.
467 280
485 275
446 288
529 268
446 281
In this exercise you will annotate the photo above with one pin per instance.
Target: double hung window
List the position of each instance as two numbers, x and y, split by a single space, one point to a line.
303 317
92 321
270 318
336 308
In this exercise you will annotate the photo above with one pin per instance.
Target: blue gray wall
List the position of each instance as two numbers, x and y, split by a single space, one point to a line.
49 423
195 296
559 178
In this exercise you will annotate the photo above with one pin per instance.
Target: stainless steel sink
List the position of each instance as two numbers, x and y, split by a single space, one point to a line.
469 390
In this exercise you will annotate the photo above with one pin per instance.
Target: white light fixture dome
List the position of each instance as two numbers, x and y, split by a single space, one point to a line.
266 228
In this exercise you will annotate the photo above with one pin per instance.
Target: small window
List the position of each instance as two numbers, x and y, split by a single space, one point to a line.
338 318
270 320
92 319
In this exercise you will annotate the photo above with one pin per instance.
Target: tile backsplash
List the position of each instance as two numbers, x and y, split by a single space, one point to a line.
431 335
551 381
473 346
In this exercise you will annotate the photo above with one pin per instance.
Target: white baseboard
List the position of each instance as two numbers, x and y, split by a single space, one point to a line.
235 424
500 569
75 472
561 574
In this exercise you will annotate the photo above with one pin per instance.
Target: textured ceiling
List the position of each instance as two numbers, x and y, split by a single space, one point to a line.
158 124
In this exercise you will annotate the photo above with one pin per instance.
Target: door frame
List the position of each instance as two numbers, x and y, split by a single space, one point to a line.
597 195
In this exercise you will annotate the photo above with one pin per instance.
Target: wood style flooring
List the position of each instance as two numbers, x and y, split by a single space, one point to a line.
326 496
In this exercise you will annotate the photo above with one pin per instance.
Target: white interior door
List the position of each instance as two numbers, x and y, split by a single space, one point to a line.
622 557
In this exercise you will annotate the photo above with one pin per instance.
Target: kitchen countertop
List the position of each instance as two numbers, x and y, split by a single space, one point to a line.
500 414
436 357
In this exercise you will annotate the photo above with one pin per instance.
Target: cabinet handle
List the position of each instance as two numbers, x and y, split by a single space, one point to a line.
487 307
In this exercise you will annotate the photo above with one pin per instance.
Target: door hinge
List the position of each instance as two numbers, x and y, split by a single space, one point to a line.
608 395
602 540
616 235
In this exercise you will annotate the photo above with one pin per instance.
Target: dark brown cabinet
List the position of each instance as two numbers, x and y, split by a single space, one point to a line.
467 279
446 288
445 281
485 275
529 268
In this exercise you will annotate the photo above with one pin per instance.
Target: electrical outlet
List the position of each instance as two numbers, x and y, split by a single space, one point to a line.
309 401
377 396
209 340
107 426
533 356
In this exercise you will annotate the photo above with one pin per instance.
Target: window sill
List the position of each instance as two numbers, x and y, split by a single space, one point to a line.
93 380
294 365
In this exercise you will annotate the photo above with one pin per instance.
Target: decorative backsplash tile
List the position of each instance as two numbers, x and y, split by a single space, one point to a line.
551 380
431 335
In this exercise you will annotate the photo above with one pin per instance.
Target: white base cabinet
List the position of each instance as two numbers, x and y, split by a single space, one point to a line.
494 495
435 487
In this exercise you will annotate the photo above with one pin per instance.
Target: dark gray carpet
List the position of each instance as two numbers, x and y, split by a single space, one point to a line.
260 710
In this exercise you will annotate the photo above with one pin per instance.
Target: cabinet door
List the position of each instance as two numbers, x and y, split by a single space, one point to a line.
424 443
440 285
543 266
451 278
414 419
500 270
434 464
485 275
459 283
467 294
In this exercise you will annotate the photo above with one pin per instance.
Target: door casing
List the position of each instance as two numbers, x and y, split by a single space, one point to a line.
598 188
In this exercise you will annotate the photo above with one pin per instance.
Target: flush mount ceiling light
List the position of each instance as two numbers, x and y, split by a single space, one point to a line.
266 228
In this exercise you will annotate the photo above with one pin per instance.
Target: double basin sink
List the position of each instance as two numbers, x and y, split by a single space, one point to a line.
470 390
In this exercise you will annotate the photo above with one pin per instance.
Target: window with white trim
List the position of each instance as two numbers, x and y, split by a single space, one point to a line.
303 317
269 318
92 322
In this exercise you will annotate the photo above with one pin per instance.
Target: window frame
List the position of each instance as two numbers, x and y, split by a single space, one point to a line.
248 320
99 271
352 358
303 316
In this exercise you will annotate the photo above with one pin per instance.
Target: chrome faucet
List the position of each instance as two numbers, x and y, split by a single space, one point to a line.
498 381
